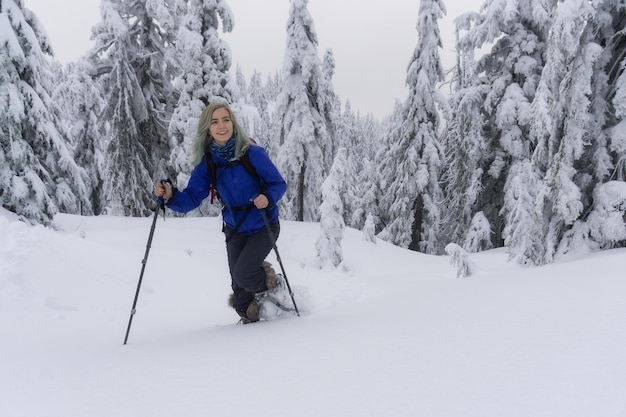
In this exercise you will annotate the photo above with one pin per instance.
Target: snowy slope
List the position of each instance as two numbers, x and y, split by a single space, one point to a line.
394 333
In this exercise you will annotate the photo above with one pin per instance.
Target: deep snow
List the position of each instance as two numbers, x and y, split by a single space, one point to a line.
392 333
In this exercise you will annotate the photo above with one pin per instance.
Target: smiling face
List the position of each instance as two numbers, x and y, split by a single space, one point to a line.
221 127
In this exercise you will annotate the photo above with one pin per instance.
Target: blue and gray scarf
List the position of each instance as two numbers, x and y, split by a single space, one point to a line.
226 152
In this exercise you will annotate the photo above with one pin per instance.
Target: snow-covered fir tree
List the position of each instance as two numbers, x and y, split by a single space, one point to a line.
605 227
617 88
38 175
266 130
369 229
414 215
459 258
346 137
205 60
465 146
131 62
563 122
368 193
304 136
256 92
603 155
618 134
386 161
156 67
127 174
81 99
359 137
242 85
330 107
478 236
328 244
523 231
255 97
492 106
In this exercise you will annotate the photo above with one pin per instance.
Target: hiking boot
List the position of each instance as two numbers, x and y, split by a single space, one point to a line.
253 312
248 315
244 319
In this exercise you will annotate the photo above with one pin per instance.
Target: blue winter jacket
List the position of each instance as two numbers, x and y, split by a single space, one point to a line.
236 186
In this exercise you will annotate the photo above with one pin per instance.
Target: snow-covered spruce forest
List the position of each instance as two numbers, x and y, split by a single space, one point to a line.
522 144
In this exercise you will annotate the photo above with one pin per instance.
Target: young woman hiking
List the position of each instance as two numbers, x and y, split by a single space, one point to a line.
249 186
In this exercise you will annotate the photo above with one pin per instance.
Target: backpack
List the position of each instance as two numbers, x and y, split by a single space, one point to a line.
212 166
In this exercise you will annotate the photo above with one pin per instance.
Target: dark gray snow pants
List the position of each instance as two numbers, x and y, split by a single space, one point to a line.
246 254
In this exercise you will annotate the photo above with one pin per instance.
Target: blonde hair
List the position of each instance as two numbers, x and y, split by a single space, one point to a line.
203 137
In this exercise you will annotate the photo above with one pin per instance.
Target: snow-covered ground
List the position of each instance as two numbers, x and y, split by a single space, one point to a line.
394 333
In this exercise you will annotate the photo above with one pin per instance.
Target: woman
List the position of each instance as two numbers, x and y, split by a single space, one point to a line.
249 186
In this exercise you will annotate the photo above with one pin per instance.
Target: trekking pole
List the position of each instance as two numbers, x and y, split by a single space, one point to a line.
280 262
160 205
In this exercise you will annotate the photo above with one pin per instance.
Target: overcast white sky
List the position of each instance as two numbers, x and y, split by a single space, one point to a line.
372 40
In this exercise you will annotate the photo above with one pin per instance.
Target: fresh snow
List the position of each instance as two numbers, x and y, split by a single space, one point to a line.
389 333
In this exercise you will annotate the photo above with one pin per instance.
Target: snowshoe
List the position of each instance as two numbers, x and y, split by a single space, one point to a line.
276 302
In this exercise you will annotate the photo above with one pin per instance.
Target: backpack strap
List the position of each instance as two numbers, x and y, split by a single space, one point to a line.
248 166
213 173
238 225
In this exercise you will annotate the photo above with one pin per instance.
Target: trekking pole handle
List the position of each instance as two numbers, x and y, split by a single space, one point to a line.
160 200
163 181
257 196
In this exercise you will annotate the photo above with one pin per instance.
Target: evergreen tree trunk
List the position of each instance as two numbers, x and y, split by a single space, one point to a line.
300 194
418 219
